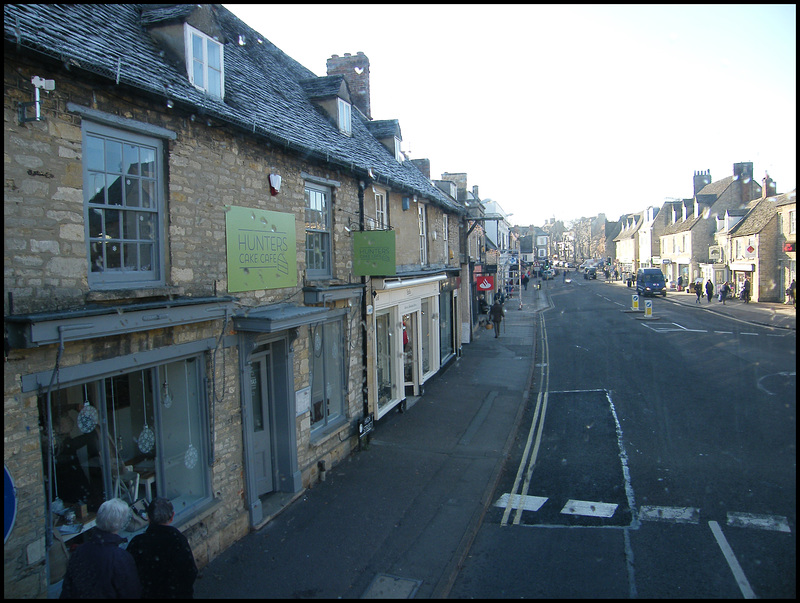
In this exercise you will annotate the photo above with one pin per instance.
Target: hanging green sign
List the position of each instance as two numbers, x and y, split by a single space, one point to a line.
261 249
374 253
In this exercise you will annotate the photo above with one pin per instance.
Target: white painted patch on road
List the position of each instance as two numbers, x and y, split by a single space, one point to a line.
724 332
589 508
671 514
775 523
520 501
733 563
748 333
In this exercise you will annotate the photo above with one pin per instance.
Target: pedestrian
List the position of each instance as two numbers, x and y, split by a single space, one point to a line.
723 292
99 568
525 280
709 290
790 293
746 290
698 289
496 314
166 565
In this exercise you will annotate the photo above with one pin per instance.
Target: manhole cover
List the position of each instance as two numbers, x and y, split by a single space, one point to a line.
385 586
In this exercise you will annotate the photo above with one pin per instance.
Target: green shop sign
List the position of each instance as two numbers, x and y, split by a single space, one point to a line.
262 249
374 253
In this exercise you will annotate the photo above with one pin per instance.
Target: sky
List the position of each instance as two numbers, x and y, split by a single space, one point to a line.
568 111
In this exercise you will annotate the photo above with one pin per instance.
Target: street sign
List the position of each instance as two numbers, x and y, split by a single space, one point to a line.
648 308
634 302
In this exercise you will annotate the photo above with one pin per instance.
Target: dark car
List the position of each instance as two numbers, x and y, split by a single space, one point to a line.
590 273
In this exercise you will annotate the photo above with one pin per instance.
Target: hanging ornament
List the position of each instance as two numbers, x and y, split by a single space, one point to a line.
191 456
166 396
147 438
88 416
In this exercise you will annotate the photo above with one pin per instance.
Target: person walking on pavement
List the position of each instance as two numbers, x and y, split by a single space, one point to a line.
496 314
525 280
790 293
166 565
698 289
709 290
723 292
746 290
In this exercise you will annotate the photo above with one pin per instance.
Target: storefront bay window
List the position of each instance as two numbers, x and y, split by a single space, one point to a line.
133 435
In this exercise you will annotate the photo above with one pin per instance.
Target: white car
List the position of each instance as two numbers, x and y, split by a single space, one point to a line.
547 274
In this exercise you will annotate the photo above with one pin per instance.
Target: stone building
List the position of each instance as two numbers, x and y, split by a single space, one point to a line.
786 243
691 223
205 245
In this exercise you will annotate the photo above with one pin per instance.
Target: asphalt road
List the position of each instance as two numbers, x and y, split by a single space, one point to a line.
656 458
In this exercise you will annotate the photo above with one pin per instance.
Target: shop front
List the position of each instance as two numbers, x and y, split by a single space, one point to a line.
408 336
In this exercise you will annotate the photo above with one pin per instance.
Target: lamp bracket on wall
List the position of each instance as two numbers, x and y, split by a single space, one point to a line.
22 108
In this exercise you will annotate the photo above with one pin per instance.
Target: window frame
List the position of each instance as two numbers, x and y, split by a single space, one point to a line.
121 278
423 234
398 154
190 31
345 112
331 367
323 235
380 211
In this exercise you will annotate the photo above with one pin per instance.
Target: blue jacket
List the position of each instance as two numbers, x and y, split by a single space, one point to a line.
100 569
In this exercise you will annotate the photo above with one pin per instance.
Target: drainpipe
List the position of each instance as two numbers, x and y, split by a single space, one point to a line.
364 301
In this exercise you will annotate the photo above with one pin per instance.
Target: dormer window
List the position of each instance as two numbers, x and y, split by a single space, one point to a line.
204 62
398 154
345 112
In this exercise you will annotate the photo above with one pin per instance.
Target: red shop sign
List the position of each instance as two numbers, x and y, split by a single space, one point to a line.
485 283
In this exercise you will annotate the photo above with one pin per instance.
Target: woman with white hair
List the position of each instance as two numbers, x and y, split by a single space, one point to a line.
99 568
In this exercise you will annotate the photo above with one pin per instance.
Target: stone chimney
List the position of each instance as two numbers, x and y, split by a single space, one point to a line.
475 191
769 187
355 70
424 166
701 179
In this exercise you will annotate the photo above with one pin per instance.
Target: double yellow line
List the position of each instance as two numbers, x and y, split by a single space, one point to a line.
527 464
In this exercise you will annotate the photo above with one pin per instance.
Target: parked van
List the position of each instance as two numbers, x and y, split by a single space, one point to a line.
651 281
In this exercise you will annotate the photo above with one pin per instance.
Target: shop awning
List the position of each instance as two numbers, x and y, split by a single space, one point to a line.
280 317
47 328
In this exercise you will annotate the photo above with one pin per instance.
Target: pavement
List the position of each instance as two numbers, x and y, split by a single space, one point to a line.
770 314
397 518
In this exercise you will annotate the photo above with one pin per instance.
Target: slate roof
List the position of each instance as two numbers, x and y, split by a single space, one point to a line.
786 198
263 92
756 219
628 233
321 87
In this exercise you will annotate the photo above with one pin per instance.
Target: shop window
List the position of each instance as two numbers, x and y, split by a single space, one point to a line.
327 376
133 436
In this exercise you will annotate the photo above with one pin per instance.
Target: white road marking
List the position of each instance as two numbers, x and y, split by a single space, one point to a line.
748 333
733 563
521 501
775 523
671 514
589 508
724 332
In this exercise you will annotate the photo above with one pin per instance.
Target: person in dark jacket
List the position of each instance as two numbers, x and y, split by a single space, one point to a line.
709 290
163 556
496 314
99 568
698 290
